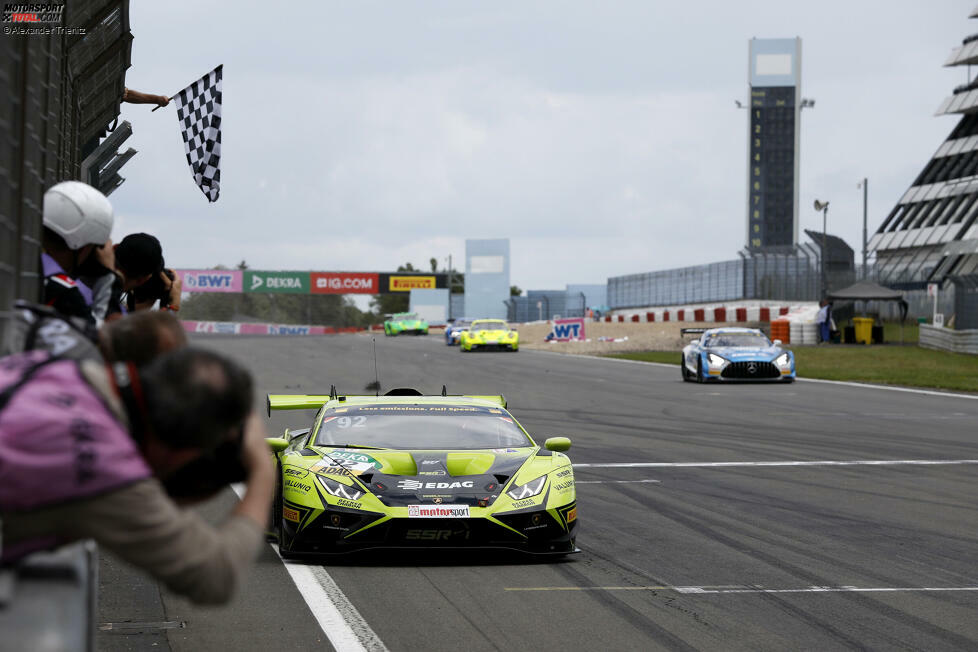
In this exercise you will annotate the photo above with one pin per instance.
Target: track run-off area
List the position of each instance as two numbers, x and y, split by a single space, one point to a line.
815 515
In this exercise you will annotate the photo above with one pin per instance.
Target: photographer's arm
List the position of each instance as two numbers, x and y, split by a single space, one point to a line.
261 473
175 288
141 524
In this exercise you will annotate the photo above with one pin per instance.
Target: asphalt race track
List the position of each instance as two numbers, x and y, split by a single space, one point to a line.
701 549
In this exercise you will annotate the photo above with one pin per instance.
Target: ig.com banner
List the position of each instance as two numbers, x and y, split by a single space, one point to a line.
343 283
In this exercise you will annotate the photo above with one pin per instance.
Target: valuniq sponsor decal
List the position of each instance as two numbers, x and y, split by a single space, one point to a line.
438 511
277 282
344 283
210 280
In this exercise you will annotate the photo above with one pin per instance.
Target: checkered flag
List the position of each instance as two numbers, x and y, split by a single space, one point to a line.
199 112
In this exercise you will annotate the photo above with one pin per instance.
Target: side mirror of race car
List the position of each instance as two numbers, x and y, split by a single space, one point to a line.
692 342
277 444
559 444
776 342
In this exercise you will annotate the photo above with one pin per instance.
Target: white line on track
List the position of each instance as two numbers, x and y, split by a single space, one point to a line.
701 590
339 619
617 481
343 625
797 463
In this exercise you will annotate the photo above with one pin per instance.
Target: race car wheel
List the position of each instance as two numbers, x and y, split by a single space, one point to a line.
274 530
787 380
682 367
699 370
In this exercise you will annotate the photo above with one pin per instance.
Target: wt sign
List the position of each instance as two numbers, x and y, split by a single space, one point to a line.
568 330
344 283
210 280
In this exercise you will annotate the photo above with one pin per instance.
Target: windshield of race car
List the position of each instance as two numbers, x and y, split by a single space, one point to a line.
490 325
718 340
412 427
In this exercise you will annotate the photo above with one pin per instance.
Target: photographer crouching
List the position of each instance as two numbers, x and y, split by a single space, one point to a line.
110 451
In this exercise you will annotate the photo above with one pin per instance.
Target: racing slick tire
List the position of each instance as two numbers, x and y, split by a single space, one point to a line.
787 381
682 367
274 530
699 370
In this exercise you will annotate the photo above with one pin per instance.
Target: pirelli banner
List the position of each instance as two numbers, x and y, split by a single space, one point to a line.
290 282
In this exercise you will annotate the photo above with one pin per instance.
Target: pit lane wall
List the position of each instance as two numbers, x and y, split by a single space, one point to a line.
246 328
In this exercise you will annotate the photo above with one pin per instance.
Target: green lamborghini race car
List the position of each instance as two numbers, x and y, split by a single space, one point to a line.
405 322
410 471
489 335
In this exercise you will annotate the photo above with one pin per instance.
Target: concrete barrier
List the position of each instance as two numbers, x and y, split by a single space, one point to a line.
946 339
52 602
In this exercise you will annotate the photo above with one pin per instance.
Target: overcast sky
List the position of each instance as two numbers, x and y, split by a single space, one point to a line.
600 137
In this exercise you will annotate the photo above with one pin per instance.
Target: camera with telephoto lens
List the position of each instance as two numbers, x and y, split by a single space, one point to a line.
209 473
152 290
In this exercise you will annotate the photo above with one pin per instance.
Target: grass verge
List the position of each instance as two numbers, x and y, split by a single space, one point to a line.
909 366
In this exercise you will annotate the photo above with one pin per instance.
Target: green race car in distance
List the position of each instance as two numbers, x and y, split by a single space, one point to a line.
405 322
413 471
489 334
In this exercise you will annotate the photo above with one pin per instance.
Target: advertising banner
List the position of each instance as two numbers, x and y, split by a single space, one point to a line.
210 280
299 282
344 283
568 330
235 328
223 327
280 282
408 283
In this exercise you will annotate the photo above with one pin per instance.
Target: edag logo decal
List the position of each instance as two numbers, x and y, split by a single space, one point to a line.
413 485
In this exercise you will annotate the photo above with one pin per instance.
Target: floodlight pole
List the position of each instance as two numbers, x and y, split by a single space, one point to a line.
825 248
449 287
865 185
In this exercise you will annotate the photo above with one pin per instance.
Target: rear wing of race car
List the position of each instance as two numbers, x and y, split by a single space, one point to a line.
316 401
683 332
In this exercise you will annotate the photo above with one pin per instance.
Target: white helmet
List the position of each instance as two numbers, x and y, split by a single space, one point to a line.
78 213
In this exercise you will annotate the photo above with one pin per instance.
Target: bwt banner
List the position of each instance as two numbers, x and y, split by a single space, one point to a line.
290 282
210 280
568 330
344 283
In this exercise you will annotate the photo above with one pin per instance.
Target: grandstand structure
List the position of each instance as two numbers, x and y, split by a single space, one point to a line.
931 235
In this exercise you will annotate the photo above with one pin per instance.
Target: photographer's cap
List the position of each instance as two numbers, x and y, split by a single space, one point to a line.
139 254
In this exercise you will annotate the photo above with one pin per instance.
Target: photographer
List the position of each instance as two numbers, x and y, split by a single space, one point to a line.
102 452
139 260
131 276
77 221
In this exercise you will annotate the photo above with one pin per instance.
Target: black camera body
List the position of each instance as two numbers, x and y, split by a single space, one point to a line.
152 290
209 473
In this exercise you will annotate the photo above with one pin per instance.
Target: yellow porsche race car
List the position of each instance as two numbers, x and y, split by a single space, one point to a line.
489 334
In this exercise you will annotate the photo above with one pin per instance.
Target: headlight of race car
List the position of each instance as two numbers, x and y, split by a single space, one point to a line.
715 360
339 490
782 360
528 490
